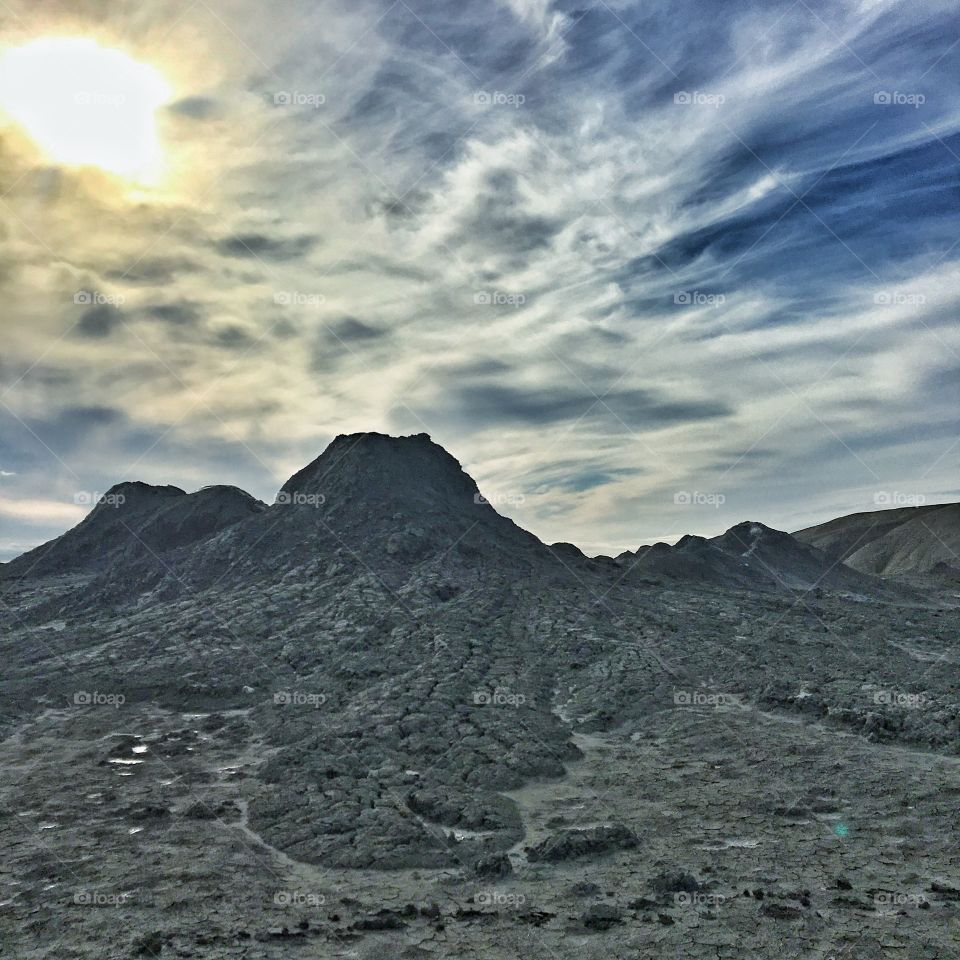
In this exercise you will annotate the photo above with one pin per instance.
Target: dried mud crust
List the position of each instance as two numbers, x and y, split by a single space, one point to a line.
753 834
354 755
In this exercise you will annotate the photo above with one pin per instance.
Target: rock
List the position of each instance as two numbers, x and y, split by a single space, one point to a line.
585 889
573 844
780 911
381 920
149 945
676 882
601 916
494 866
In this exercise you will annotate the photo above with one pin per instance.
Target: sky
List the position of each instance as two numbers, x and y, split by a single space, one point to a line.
644 268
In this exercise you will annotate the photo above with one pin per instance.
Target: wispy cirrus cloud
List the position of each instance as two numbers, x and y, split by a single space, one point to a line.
605 255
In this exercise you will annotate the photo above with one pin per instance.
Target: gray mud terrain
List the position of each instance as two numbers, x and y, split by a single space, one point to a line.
409 729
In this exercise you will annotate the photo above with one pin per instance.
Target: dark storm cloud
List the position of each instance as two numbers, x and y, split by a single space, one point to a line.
491 404
380 266
55 440
580 480
150 271
234 338
263 247
498 221
349 329
196 108
346 339
98 322
181 312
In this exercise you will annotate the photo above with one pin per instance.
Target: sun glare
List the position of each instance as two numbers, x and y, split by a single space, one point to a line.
86 105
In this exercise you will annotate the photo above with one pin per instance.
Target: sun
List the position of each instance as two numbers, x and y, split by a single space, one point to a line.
86 105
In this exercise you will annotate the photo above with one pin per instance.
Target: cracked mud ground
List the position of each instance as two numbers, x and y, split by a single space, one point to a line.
377 726
450 800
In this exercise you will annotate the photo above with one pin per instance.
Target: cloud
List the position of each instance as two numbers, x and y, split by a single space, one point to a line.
197 108
262 247
176 313
759 279
489 405
42 512
99 321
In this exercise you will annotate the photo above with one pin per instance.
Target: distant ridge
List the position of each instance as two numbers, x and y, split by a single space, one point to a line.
749 555
394 504
892 543
133 520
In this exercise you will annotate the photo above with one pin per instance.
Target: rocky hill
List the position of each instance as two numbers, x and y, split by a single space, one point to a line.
377 713
749 556
135 520
908 541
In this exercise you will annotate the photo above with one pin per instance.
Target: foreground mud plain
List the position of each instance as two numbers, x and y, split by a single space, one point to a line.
753 833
